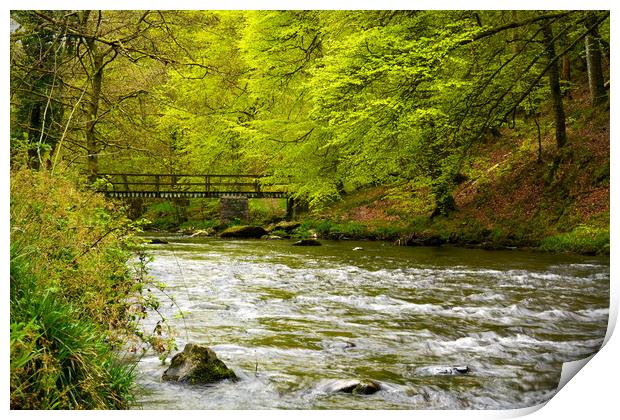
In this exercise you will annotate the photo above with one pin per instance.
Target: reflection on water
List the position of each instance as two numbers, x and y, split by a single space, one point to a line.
288 320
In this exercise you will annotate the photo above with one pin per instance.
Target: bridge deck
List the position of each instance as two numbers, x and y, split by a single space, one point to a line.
120 185
194 194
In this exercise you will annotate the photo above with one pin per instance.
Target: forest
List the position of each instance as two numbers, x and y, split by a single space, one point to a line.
420 127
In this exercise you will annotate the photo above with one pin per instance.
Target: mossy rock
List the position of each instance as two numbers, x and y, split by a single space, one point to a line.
244 232
197 364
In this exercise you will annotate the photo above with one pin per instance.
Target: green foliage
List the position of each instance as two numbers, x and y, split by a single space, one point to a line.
59 360
164 215
582 239
75 302
202 209
327 102
263 212
333 230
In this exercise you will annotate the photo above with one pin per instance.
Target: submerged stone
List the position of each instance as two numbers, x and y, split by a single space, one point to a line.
307 242
197 364
338 345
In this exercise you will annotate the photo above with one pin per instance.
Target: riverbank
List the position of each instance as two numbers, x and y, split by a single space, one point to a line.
76 302
518 192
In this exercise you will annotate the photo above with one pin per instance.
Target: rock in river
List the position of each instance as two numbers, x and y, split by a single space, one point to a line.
244 232
307 242
197 364
352 386
202 232
444 370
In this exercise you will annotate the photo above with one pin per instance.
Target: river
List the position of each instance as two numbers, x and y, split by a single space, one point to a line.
289 320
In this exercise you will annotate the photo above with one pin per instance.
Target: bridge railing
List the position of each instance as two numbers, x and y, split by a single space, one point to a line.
189 185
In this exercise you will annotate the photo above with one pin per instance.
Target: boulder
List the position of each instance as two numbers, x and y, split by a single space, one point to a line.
352 386
157 241
197 364
307 242
244 232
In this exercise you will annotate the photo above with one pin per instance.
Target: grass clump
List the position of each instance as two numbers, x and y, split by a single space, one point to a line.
59 359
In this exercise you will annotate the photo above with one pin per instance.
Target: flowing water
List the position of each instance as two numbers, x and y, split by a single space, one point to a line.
291 320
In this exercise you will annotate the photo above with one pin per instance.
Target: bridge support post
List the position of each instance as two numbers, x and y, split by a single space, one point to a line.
232 208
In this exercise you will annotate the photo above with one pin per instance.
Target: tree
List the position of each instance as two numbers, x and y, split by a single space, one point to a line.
554 84
37 54
593 59
94 73
327 101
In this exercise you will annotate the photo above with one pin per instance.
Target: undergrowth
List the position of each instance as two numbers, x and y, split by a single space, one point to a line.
583 239
76 304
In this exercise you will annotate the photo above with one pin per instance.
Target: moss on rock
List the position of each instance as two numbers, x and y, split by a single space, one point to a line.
244 232
197 364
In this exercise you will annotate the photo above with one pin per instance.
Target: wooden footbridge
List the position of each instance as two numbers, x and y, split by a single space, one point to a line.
232 190
121 185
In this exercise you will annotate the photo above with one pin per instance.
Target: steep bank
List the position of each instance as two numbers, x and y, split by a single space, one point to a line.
513 193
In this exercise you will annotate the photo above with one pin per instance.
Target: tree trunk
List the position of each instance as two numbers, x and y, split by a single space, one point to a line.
33 135
95 68
91 135
554 84
595 68
566 69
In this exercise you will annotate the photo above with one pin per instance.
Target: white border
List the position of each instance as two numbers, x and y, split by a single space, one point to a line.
592 393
